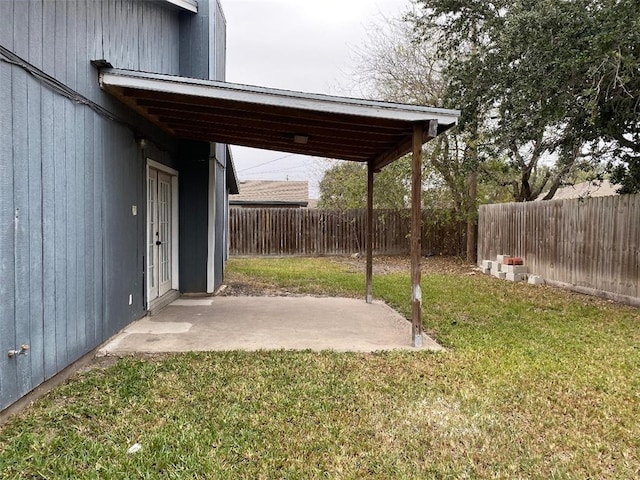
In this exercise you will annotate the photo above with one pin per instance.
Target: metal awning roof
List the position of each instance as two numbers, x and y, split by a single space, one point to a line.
272 119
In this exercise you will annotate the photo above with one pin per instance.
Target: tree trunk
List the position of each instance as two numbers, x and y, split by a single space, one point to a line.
472 200
471 214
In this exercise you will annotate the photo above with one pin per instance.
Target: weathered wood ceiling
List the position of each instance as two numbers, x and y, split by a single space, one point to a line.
308 124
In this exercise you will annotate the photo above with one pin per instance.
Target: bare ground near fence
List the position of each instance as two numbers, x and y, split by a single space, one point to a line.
383 264
239 285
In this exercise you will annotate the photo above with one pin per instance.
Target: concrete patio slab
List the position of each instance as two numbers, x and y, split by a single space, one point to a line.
268 323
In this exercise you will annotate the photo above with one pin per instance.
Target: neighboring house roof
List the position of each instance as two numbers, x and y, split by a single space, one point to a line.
593 188
272 193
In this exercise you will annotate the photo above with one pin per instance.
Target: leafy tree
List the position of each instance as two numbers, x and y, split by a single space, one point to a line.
396 67
609 86
344 186
548 89
508 109
556 80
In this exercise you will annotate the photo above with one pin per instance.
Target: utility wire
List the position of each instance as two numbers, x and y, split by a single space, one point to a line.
60 88
268 162
289 169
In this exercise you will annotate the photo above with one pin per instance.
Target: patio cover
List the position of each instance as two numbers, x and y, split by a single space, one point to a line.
372 132
282 120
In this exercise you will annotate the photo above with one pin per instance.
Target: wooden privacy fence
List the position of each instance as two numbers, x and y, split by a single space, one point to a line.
590 244
288 231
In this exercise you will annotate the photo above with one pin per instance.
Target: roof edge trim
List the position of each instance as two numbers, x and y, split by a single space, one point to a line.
274 97
188 5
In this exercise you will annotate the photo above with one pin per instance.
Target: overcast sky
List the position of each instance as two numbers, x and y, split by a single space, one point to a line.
296 45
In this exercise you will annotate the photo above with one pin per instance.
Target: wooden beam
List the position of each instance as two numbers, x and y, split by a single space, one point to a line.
291 112
265 144
429 131
377 140
416 234
393 154
343 145
369 239
163 106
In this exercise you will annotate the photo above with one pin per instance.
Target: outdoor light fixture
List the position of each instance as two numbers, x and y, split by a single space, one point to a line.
301 139
101 63
140 140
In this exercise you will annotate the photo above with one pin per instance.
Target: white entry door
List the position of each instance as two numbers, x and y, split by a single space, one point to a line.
159 234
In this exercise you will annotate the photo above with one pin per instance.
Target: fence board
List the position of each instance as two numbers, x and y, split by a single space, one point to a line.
285 231
588 243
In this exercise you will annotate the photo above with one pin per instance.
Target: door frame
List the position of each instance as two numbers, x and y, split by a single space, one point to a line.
175 281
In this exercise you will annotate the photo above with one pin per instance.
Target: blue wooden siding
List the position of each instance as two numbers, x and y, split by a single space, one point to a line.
219 59
219 44
194 41
8 376
194 218
193 205
71 252
208 28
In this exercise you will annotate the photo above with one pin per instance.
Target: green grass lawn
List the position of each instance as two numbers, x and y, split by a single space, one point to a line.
536 383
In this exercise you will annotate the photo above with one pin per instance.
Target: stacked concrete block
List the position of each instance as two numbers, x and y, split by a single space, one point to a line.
495 267
515 277
486 266
496 270
514 269
510 268
536 280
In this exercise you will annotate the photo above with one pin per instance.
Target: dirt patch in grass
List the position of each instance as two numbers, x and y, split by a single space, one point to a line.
383 265
249 288
241 285
256 289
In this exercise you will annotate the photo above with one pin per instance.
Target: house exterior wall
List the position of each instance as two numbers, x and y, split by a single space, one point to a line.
72 253
208 27
193 204
194 218
60 36
193 44
220 214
